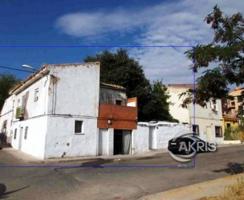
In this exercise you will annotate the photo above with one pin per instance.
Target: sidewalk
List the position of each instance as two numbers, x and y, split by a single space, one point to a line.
24 158
197 191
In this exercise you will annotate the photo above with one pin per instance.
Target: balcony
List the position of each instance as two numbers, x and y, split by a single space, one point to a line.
117 117
19 113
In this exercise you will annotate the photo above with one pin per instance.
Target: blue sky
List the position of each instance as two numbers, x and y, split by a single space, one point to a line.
107 22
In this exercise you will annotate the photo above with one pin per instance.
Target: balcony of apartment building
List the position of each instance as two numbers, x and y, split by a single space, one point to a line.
115 109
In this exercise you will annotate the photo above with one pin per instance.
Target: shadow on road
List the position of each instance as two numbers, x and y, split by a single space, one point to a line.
3 191
232 168
98 163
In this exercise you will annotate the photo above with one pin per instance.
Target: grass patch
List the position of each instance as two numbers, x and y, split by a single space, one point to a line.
232 192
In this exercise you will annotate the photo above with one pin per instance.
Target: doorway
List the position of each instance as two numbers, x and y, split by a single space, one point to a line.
122 142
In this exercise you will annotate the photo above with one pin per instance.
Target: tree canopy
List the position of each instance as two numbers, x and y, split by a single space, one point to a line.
119 68
7 81
223 57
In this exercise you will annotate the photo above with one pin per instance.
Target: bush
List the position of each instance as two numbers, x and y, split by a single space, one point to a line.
231 134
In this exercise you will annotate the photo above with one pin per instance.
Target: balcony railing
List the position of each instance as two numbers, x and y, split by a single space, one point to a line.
117 117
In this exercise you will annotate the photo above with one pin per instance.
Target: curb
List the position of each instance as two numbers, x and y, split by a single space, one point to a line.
196 191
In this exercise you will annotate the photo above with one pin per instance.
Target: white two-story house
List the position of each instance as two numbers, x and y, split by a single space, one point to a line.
205 121
62 109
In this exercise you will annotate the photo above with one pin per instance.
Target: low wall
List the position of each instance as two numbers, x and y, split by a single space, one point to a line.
152 136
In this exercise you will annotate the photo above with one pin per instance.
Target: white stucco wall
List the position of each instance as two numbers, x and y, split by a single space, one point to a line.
7 115
76 91
73 96
175 108
62 141
34 108
106 142
34 144
140 139
166 131
156 136
67 93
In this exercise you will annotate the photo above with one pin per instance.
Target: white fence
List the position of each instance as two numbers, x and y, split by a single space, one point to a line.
152 136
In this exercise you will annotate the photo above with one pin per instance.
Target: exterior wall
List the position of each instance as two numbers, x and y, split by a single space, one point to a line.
61 140
34 143
106 142
156 136
26 99
74 95
74 89
175 108
205 117
6 116
109 96
66 93
166 131
34 118
207 120
140 139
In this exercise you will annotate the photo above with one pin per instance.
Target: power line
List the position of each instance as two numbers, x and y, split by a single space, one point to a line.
16 69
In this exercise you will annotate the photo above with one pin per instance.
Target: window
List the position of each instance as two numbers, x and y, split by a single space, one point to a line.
228 125
78 127
15 133
118 102
36 94
26 132
218 131
195 129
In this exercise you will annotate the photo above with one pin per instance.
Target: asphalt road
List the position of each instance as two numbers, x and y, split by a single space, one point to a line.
106 179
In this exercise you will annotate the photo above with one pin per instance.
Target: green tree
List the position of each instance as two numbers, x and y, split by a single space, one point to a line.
119 68
158 106
7 81
225 52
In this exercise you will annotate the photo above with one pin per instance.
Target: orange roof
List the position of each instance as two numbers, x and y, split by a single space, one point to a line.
237 92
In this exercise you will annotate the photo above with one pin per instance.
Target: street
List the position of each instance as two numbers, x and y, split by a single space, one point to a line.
107 179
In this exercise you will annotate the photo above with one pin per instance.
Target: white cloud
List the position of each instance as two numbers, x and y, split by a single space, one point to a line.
177 23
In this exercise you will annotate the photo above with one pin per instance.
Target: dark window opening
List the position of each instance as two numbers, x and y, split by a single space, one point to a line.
78 126
26 132
119 102
15 133
218 131
195 129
